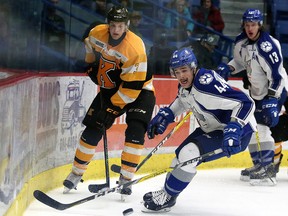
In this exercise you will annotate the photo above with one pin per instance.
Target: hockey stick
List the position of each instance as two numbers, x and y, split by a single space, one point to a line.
96 187
117 168
47 200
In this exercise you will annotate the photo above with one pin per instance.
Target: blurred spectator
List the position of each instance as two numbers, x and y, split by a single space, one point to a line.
208 15
178 25
125 3
216 3
160 54
90 4
52 37
101 7
53 28
204 50
4 35
105 8
135 19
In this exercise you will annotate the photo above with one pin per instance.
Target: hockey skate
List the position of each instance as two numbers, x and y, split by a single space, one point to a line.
158 201
71 182
245 174
266 176
124 191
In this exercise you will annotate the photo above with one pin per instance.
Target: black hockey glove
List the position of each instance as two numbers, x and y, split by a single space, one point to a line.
246 82
92 71
106 116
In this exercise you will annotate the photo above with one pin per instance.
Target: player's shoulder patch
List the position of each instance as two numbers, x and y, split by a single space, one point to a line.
205 77
265 43
266 46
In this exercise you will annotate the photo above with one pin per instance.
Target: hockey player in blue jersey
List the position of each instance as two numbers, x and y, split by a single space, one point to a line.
260 55
225 116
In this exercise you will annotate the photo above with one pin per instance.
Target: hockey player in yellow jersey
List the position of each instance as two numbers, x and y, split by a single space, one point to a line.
117 63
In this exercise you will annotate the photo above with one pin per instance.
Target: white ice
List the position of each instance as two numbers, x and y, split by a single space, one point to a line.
217 192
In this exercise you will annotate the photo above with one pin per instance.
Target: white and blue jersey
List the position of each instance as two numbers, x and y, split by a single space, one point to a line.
263 61
214 102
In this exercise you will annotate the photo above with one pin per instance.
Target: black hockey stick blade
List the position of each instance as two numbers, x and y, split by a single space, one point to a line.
44 198
94 188
115 168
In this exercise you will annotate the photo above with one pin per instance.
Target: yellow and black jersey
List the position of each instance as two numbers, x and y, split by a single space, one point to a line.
122 67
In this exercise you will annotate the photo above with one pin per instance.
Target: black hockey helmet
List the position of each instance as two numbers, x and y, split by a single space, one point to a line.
118 14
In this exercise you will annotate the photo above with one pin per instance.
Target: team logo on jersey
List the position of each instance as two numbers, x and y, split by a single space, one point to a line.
266 46
206 79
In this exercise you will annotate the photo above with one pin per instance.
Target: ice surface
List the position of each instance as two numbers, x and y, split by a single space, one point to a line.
217 192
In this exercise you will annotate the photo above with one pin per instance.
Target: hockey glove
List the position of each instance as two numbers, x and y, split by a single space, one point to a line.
92 71
106 116
246 82
270 113
160 122
224 70
231 138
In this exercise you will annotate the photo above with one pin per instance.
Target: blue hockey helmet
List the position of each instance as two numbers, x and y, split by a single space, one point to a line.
252 15
182 57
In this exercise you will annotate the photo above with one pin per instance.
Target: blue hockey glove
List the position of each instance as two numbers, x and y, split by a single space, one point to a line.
224 70
231 138
160 122
270 112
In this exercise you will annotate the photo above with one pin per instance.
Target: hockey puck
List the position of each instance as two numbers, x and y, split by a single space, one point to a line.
128 211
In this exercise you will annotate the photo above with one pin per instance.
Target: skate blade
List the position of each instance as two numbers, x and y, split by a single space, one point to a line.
66 190
245 178
145 210
263 182
125 197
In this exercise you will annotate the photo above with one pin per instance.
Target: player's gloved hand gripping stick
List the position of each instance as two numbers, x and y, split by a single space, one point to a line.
116 168
105 120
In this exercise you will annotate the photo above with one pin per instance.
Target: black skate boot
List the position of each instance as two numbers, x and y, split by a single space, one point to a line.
71 182
158 201
124 191
151 194
245 174
266 176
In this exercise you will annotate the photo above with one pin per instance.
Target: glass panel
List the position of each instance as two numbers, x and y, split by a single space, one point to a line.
47 35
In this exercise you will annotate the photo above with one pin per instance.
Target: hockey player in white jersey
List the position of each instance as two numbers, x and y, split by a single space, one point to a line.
260 55
226 119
